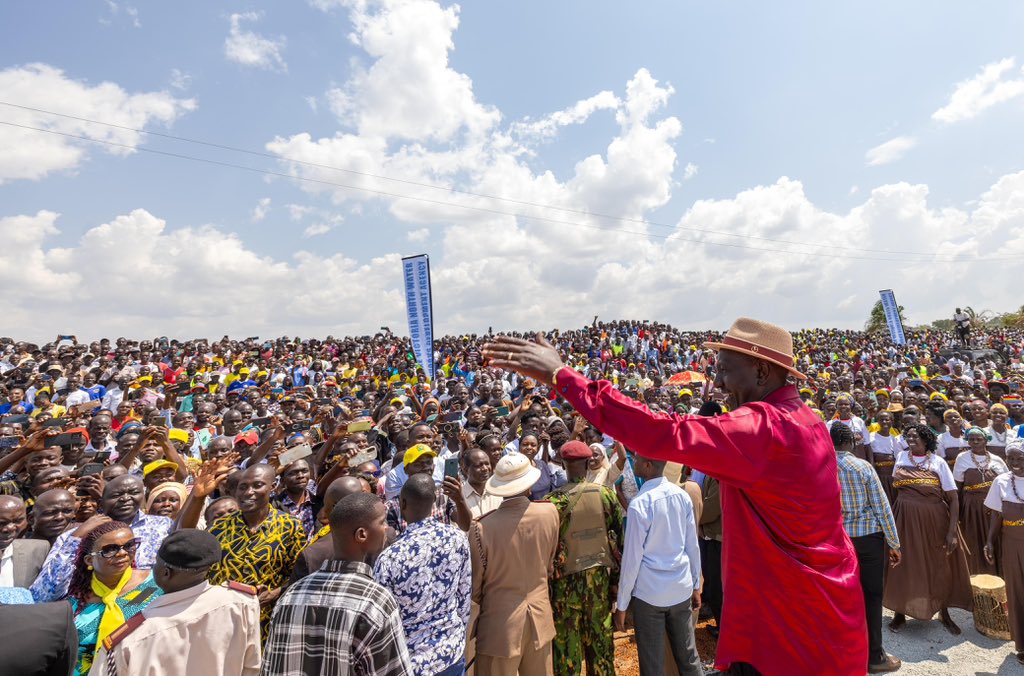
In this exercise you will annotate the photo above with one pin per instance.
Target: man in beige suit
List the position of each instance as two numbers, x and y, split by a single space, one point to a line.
512 550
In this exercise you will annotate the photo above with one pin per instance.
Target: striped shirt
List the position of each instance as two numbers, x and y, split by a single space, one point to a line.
865 507
337 621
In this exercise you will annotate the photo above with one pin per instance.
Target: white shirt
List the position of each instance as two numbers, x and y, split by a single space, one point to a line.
856 426
1000 439
396 478
76 397
964 462
660 559
7 567
933 464
113 398
947 441
1000 491
886 444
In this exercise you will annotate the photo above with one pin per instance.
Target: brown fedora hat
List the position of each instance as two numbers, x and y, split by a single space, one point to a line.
762 340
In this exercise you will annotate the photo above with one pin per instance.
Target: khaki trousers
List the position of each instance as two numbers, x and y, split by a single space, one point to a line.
529 662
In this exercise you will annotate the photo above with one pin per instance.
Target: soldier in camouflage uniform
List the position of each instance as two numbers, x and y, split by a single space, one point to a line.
586 569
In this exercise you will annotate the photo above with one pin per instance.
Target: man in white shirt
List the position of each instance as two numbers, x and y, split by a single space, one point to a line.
659 579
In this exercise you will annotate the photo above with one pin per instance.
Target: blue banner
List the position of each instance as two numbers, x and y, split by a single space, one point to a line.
892 317
420 310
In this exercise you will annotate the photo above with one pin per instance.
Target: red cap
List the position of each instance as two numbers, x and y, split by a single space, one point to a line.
575 450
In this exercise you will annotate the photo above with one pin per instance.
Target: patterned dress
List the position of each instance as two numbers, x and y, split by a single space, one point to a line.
87 618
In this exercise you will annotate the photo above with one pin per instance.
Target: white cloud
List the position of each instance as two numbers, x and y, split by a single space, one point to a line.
248 48
29 154
610 274
997 82
297 212
690 171
890 151
408 93
317 229
548 126
180 80
418 235
169 268
259 212
134 14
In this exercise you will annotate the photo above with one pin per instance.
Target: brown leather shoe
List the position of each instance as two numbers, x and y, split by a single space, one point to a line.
890 664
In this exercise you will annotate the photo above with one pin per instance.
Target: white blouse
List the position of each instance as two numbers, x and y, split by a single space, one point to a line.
1000 491
964 462
933 464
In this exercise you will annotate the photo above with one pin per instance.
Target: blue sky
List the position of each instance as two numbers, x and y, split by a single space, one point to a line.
854 129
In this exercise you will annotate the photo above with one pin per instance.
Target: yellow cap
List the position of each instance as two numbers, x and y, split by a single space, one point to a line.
416 452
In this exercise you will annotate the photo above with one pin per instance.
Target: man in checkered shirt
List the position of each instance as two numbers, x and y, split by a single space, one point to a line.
338 620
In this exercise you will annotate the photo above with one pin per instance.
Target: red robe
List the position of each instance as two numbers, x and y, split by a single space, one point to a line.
793 600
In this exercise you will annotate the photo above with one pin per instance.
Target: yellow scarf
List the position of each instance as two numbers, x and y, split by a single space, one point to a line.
112 615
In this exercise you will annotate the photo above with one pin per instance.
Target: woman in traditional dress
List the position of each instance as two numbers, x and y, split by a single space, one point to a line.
973 472
932 576
951 442
999 433
886 444
1006 500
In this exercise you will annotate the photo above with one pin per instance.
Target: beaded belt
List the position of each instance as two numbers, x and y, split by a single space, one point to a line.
915 482
977 487
1018 522
884 463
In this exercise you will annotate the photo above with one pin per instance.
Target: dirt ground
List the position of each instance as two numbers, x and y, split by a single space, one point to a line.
626 663
925 648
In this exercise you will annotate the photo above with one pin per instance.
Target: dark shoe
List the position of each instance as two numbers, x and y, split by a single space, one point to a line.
890 664
897 623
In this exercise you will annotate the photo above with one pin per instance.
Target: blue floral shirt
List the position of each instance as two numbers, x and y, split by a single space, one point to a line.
55 576
427 569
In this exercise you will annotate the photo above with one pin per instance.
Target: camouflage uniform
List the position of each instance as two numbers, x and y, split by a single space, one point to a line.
582 602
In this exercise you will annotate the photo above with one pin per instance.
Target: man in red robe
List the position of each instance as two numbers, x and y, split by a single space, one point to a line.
793 601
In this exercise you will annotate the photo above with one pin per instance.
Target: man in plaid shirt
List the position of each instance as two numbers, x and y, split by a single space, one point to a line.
868 521
338 620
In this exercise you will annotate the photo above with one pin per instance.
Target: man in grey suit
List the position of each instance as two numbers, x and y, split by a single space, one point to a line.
20 560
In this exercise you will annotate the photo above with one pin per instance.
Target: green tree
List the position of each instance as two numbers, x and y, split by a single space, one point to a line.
876 321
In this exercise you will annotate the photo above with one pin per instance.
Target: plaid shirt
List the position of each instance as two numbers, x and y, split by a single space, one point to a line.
865 507
337 621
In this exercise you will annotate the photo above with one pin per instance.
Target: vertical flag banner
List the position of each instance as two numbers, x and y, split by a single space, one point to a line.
420 310
892 317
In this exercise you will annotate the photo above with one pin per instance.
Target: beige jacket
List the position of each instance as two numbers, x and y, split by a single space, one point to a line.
513 549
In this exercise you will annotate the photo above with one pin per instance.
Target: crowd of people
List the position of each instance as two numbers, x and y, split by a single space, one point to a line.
304 506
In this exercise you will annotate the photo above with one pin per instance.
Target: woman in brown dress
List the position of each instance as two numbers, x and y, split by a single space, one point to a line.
886 444
932 576
973 472
1006 500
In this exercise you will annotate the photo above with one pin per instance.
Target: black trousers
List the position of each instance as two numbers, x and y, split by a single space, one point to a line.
711 567
871 556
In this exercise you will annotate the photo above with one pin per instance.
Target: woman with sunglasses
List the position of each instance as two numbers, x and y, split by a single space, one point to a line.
106 591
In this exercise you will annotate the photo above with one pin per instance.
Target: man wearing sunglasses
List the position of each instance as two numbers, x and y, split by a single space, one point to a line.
121 501
220 624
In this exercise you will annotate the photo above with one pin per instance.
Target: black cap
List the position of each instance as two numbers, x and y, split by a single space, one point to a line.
189 548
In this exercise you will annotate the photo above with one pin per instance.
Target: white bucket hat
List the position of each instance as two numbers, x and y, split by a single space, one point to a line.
514 475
